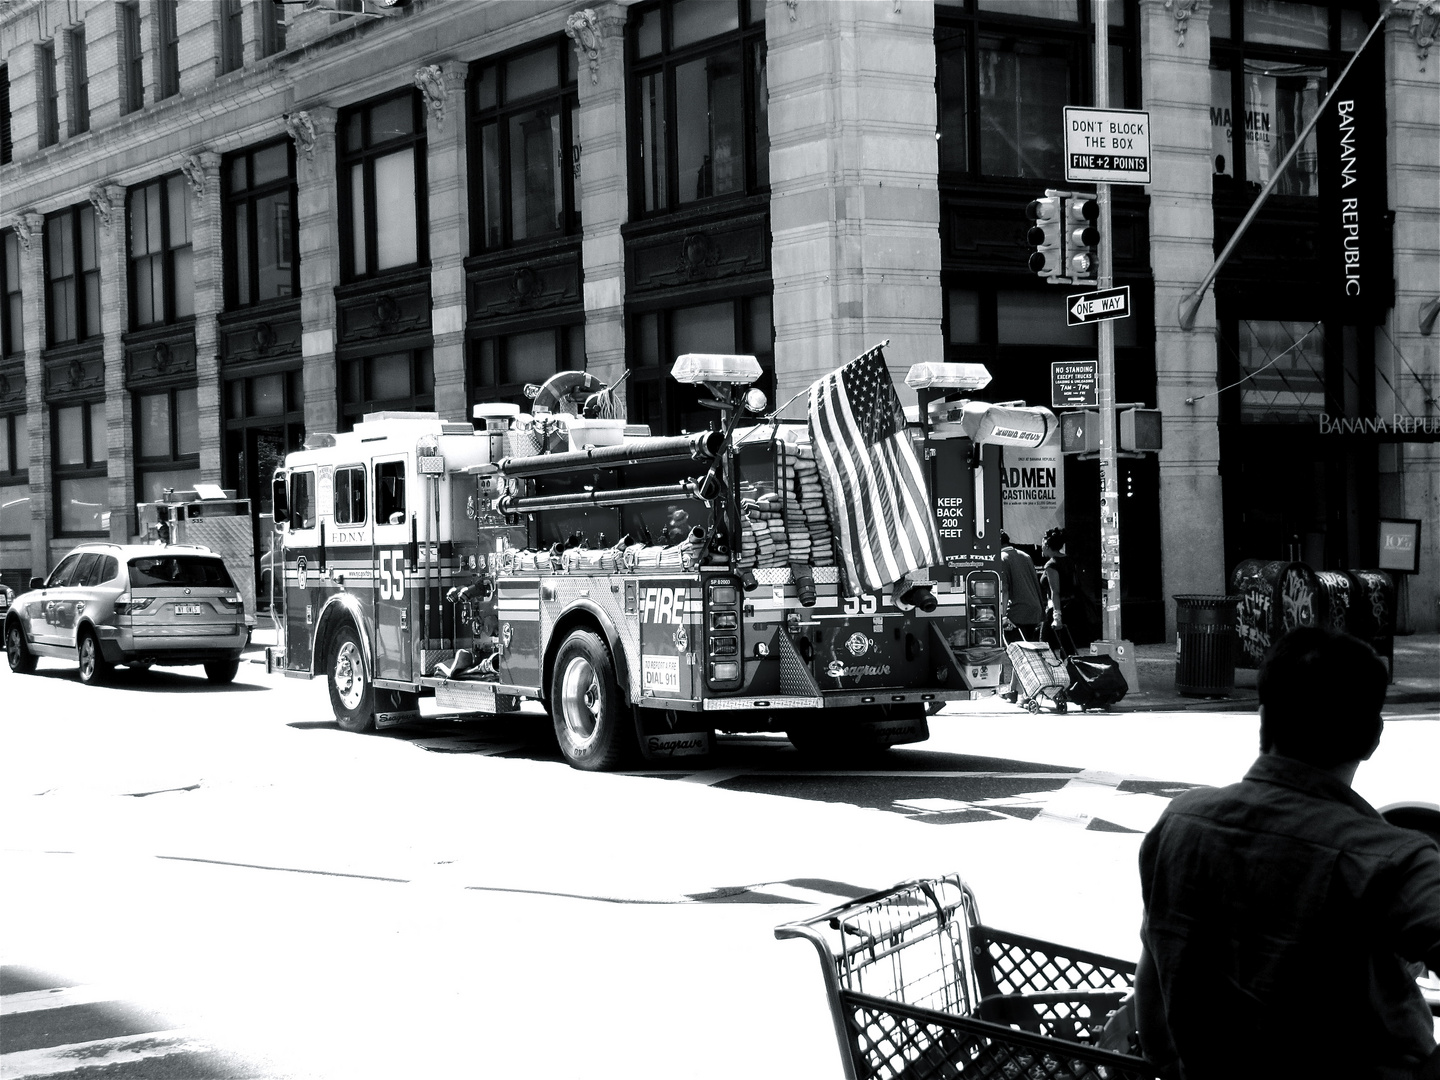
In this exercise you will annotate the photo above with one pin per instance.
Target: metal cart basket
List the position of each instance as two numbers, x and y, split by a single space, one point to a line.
1041 672
919 988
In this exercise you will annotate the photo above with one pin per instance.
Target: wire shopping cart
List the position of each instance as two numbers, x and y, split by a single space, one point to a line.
919 988
1042 674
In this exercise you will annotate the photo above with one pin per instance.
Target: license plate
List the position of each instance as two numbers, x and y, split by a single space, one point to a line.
187 609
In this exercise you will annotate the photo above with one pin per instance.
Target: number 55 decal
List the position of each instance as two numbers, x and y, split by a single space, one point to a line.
864 604
392 578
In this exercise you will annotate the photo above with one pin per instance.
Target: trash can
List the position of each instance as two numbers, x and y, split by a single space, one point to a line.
1205 645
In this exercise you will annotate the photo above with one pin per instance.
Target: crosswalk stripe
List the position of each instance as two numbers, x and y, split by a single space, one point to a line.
59 998
98 1053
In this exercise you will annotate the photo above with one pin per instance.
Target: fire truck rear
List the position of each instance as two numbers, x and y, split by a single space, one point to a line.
647 591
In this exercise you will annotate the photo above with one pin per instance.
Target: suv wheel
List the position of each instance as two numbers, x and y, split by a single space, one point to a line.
222 671
17 650
93 668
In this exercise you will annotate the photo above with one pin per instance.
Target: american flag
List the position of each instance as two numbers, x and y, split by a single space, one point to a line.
872 478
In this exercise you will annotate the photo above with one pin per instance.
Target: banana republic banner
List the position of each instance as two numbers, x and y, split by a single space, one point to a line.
1355 248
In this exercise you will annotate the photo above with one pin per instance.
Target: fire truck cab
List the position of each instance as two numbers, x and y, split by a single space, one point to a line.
618 578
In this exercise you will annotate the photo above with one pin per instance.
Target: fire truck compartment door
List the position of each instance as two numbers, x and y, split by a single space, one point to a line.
671 635
393 497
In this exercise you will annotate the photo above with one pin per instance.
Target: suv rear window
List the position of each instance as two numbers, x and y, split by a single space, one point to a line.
158 571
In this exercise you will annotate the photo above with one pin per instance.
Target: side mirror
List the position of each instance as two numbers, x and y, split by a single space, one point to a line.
279 500
37 583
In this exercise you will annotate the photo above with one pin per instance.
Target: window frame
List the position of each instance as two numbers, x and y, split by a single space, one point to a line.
90 469
173 460
511 391
251 194
12 318
167 32
132 66
350 467
421 397
7 146
79 81
166 254
85 278
47 94
232 36
14 436
665 62
563 97
1076 39
308 477
365 156
272 29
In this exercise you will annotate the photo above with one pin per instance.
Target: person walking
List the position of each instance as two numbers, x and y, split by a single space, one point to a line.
1065 606
1285 919
1024 610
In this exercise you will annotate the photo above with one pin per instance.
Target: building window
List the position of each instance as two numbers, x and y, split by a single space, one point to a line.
79 82
264 421
14 476
523 128
272 29
82 503
741 325
162 286
1282 365
1272 63
47 97
501 366
72 275
260 226
167 442
1004 71
382 166
403 381
699 102
165 16
6 147
232 40
12 327
132 75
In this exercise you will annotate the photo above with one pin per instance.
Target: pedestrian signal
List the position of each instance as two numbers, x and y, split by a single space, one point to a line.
1140 429
1080 432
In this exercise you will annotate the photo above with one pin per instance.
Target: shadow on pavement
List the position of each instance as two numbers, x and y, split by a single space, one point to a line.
155 680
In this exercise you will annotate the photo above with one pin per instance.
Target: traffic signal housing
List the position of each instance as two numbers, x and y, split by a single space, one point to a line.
1082 240
1080 432
1140 430
1047 236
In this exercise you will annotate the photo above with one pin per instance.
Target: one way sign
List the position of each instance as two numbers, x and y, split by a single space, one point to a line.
1091 307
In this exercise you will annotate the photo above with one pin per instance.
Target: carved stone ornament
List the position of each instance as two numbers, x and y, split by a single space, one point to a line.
583 28
793 5
430 81
76 374
102 199
1424 22
1182 10
386 311
26 224
194 173
162 357
264 337
697 252
302 129
524 285
4 386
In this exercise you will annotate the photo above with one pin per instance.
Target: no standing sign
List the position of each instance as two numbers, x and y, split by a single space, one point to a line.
1107 146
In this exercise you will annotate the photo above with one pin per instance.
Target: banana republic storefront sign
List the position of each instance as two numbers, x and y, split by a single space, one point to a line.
1355 251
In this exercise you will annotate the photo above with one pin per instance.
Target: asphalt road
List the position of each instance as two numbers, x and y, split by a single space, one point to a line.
217 882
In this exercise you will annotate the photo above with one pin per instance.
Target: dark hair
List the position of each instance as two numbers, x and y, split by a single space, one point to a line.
1004 538
1322 692
1055 538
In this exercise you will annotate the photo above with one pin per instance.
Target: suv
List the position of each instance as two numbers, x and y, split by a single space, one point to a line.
108 604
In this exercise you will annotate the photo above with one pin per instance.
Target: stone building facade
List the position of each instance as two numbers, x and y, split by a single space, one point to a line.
226 225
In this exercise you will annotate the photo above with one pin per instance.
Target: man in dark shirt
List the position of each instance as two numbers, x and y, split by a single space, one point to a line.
1284 918
1020 594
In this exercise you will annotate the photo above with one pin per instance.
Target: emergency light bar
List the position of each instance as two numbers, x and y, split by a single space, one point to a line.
695 368
947 376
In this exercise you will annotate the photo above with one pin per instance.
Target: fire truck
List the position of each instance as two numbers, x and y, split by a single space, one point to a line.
628 583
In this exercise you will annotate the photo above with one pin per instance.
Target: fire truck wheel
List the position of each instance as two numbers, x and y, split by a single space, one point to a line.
593 723
352 694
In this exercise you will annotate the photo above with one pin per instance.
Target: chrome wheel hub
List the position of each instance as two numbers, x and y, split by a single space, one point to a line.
580 703
349 675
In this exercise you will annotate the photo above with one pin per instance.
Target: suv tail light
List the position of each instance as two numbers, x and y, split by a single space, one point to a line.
126 606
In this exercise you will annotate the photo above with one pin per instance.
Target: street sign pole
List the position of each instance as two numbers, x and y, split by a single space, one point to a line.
1105 383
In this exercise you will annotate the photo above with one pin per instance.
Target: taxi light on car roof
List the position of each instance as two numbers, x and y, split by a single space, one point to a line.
948 376
696 368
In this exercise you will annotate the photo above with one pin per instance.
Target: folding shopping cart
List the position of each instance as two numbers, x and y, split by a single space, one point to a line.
919 988
1042 674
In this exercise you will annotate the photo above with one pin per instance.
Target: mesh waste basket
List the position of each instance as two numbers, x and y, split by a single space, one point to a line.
1205 645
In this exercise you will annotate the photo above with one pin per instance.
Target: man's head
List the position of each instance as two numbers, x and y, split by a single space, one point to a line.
1004 538
1321 693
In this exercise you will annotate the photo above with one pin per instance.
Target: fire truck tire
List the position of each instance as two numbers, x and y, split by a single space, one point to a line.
352 694
593 723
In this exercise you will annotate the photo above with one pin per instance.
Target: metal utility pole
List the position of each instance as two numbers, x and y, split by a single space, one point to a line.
1105 379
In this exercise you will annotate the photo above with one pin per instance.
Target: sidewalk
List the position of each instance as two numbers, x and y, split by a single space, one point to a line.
1416 682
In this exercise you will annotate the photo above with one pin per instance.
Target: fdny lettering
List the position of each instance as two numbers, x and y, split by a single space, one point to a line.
662 605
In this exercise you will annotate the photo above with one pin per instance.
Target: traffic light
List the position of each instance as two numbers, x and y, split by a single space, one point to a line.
1047 236
1082 262
1080 432
1140 429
